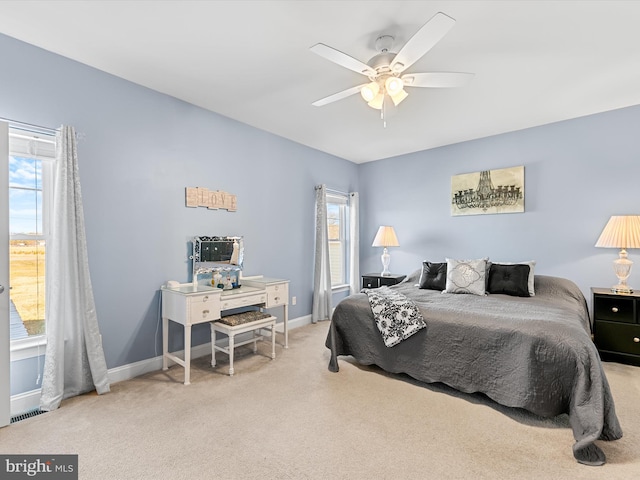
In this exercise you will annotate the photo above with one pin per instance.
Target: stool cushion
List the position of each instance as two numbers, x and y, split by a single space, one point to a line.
241 318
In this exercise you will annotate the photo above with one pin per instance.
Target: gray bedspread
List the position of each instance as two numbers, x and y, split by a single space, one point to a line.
534 353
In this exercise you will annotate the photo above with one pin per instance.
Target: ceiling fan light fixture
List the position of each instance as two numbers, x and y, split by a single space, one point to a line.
399 97
385 70
369 91
393 85
377 101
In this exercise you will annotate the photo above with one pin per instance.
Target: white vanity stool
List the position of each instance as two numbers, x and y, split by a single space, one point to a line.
233 325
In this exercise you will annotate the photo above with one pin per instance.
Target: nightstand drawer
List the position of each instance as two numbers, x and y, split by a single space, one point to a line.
616 337
370 282
615 309
373 280
391 280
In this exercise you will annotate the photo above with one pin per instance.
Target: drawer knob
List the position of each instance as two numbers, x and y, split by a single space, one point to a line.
205 298
636 340
205 313
276 299
614 309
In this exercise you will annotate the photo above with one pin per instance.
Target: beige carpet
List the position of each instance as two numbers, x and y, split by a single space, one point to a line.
290 418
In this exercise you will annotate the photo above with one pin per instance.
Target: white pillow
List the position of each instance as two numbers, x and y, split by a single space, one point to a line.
466 276
530 282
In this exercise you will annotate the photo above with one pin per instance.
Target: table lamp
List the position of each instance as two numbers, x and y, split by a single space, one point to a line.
386 237
621 231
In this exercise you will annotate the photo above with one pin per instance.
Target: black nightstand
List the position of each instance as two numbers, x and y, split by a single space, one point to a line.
375 280
616 325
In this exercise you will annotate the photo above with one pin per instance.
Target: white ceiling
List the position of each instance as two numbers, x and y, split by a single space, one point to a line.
535 62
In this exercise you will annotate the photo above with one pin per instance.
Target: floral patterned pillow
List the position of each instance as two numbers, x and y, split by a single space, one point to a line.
466 276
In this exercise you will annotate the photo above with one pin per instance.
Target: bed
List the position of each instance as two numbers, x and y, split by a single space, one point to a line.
534 353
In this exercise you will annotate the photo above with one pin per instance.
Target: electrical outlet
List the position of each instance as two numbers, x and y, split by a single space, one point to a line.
293 300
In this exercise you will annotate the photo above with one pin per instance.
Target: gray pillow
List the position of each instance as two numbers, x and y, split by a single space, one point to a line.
466 276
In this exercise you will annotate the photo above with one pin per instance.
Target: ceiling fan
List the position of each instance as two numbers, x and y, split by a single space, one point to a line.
386 70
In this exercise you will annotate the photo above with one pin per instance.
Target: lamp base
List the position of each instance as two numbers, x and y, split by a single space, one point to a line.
621 289
386 259
622 268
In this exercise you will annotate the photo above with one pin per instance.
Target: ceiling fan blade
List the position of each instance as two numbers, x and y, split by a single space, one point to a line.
338 96
422 41
437 79
342 59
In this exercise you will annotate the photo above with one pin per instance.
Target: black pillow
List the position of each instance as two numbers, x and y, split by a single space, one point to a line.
509 279
433 276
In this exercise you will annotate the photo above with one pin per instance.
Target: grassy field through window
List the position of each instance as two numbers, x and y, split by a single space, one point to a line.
27 282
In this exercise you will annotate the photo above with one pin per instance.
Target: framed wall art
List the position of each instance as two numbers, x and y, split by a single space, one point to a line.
488 192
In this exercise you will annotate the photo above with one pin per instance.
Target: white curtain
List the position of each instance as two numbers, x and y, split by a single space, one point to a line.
74 359
354 243
321 309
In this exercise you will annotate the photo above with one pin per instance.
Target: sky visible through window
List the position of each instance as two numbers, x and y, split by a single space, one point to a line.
25 196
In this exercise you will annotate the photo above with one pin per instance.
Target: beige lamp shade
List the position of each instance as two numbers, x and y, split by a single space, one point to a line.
621 231
386 237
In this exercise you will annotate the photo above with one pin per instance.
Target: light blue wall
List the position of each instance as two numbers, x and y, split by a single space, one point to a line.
577 174
138 151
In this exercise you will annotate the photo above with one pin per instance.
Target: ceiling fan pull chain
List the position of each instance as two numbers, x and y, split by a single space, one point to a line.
384 120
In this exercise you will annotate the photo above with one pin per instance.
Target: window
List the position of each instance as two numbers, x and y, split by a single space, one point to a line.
337 224
31 159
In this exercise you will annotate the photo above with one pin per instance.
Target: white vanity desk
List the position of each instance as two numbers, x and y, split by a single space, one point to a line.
190 304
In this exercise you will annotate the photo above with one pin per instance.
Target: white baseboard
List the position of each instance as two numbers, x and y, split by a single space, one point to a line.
25 402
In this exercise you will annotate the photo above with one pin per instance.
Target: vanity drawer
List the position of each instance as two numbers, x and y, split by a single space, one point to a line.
617 337
277 295
227 304
204 308
615 309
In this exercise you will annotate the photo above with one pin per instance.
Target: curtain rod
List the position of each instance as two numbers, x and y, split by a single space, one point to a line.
29 127
331 190
31 137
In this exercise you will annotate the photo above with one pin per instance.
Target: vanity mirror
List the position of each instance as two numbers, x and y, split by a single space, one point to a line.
226 251
217 254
